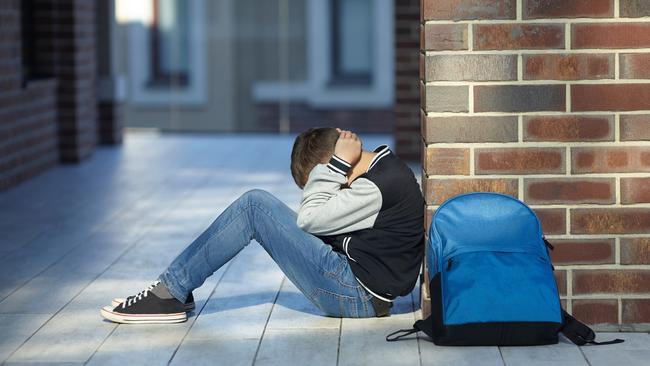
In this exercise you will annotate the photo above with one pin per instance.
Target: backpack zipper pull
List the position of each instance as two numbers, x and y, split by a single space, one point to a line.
449 261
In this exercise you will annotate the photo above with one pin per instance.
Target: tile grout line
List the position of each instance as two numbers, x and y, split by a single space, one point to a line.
196 316
259 344
338 346
413 311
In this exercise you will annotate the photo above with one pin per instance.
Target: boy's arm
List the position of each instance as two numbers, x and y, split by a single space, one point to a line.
326 209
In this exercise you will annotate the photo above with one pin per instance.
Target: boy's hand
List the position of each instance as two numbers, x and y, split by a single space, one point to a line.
348 147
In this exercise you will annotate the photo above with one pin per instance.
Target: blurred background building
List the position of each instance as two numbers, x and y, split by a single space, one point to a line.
75 72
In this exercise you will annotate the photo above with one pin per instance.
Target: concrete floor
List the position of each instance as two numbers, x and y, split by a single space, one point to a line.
79 235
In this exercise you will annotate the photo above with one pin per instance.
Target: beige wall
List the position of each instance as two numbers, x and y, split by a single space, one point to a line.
243 46
217 113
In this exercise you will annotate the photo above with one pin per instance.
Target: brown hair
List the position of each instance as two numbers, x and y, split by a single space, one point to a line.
314 146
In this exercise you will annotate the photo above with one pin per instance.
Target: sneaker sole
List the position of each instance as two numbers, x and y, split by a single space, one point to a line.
108 313
118 301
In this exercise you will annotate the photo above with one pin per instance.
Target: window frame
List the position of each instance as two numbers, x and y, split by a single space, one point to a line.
317 90
338 76
195 93
160 78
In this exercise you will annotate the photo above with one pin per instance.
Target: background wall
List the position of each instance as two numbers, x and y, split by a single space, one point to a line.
407 94
48 82
28 129
548 101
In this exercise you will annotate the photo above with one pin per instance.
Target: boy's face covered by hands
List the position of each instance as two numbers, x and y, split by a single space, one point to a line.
348 146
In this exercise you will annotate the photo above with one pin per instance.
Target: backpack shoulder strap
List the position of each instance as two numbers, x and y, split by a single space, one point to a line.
579 333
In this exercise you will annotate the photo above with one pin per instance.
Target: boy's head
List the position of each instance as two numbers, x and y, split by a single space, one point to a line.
314 146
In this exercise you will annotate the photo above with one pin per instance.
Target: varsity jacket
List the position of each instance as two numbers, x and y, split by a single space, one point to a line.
376 221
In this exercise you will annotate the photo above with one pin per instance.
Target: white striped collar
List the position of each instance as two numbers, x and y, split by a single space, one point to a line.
381 150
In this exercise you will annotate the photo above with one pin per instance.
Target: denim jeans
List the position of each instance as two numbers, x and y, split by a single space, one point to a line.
322 275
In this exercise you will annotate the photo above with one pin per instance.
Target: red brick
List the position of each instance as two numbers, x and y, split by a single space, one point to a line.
568 128
568 67
553 220
605 281
635 311
633 159
446 161
635 250
519 160
610 221
610 97
469 129
535 9
635 190
518 36
583 251
440 37
519 98
468 9
471 67
596 311
561 281
570 191
635 65
610 35
436 191
635 127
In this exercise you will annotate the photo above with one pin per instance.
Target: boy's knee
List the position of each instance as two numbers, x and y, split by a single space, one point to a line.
257 196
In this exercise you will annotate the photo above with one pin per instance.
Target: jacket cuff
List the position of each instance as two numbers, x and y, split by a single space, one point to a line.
339 165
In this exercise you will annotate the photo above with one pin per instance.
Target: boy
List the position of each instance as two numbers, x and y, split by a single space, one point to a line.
355 244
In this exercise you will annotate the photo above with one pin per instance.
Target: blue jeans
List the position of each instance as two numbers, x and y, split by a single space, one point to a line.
322 275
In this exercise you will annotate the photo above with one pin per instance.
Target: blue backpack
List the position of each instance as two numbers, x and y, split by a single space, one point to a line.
491 278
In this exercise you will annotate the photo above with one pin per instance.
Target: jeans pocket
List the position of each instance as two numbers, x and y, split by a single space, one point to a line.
335 305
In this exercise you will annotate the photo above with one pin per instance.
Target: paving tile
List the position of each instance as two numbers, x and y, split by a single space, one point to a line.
226 351
458 356
635 351
15 328
65 338
363 343
293 310
314 347
563 353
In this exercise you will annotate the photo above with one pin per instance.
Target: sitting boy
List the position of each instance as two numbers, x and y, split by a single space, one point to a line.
355 244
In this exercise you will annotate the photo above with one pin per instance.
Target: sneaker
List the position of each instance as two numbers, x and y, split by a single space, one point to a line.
189 302
146 308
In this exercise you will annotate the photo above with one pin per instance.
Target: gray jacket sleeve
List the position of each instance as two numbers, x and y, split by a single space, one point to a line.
327 209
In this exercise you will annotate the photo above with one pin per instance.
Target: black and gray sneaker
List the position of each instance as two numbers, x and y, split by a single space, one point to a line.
147 308
189 302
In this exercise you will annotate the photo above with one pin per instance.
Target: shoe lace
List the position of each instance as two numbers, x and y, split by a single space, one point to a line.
142 294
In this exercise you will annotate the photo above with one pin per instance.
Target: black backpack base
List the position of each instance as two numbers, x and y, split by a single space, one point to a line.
496 333
493 334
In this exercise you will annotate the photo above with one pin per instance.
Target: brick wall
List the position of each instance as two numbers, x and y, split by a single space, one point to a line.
407 98
549 101
28 140
66 41
50 113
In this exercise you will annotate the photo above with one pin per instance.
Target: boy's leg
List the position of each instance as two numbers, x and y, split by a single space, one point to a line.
323 275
